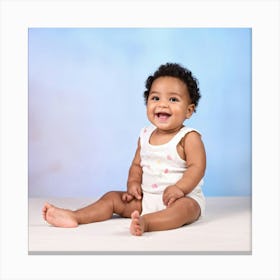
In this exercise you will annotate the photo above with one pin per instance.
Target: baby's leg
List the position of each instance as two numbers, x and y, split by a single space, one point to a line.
183 211
59 217
100 210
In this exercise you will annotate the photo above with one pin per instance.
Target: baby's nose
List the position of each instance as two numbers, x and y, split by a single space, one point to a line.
163 104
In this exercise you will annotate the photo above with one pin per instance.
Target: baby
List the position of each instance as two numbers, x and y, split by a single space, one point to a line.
166 174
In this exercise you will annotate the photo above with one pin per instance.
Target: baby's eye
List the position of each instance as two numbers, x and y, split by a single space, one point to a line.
155 98
174 99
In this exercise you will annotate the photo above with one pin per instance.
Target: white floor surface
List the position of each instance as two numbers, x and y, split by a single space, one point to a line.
225 229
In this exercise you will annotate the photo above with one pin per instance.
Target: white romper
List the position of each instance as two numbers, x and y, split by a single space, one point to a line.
162 166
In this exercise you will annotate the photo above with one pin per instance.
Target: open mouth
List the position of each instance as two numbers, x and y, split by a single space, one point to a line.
162 116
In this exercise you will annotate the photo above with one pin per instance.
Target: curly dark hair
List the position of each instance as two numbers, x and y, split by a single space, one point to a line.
177 71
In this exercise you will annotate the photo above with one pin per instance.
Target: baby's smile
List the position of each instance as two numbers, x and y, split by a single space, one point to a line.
163 116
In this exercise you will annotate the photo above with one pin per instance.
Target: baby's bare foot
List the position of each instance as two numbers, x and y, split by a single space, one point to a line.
137 224
59 217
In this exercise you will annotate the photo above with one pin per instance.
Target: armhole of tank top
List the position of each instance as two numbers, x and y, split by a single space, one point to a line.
145 134
180 136
177 139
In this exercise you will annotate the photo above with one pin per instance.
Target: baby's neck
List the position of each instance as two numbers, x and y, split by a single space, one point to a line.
160 137
171 132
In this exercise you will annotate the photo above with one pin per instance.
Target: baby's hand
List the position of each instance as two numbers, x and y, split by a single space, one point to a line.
134 191
171 194
127 197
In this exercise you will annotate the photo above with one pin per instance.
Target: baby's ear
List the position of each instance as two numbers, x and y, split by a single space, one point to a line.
190 110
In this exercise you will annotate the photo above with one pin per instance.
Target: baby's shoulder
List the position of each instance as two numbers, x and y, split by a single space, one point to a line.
189 135
185 132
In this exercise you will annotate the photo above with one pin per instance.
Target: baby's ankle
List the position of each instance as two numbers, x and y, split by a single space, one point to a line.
144 224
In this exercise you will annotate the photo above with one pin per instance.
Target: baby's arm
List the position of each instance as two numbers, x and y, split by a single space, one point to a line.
196 164
134 178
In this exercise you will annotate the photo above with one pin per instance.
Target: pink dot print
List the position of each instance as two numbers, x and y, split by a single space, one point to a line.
166 171
169 157
154 186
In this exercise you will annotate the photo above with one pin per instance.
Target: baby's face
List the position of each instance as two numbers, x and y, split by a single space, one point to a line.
169 103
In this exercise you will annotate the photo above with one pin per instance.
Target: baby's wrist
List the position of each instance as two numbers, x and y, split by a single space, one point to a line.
180 187
132 184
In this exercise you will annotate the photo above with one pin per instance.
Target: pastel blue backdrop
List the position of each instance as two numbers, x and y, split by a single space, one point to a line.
86 106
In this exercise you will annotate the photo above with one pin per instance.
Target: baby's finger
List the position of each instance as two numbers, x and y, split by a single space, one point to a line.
126 197
137 194
165 199
171 200
129 197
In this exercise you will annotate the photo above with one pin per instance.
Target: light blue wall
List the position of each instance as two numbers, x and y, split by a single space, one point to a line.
86 106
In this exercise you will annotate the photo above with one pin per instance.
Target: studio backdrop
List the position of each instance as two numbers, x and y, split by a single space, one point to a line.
86 105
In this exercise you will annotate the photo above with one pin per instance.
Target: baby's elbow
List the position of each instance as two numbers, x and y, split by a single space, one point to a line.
203 170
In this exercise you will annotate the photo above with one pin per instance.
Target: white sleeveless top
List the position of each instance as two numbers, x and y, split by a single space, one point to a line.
161 164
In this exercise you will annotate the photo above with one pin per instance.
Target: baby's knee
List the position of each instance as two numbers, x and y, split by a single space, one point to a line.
112 195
